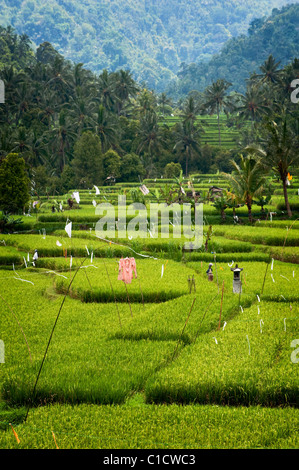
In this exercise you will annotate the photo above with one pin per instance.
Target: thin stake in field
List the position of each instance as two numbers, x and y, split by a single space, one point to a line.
221 305
128 299
191 283
177 345
112 292
216 271
266 274
55 440
197 333
248 344
240 306
50 338
88 280
15 434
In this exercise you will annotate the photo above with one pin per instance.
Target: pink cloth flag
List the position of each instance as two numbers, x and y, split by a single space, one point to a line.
126 268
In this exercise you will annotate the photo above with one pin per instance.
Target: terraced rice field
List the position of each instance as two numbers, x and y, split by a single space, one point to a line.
158 363
210 134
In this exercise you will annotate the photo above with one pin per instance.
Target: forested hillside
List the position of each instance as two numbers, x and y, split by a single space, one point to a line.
277 34
75 128
151 38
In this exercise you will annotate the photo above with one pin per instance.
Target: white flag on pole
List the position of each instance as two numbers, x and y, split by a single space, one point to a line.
68 229
76 196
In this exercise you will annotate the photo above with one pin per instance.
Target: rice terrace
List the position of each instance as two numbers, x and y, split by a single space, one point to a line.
129 355
149 229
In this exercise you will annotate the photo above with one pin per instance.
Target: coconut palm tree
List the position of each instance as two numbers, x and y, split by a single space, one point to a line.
164 101
106 128
61 139
48 108
124 88
59 78
81 110
145 103
149 137
22 141
186 137
252 105
290 72
216 100
279 151
191 109
106 92
270 71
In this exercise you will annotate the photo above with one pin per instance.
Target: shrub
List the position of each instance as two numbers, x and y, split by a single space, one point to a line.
14 184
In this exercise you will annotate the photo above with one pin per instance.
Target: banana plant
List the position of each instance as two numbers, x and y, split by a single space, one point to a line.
221 203
262 201
233 202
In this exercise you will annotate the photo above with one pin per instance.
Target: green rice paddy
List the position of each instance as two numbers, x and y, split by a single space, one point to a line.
158 363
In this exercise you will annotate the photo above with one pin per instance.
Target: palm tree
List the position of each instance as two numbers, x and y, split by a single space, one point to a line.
289 73
59 78
279 151
252 106
216 100
145 103
48 108
39 150
270 72
164 101
106 90
149 136
82 78
6 139
24 46
13 81
190 110
186 137
124 88
106 128
247 180
81 110
22 142
23 101
61 138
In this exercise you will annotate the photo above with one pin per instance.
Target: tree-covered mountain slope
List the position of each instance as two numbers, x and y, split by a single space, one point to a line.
277 34
149 37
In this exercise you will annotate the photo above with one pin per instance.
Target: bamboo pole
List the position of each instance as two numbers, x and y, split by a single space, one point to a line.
112 292
221 305
128 299
50 338
187 319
